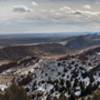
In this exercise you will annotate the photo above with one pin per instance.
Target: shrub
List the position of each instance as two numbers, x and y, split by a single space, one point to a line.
14 92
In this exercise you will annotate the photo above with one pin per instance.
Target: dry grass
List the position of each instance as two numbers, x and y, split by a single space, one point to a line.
4 62
5 79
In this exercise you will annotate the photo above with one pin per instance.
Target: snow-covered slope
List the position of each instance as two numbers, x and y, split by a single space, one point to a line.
52 78
71 76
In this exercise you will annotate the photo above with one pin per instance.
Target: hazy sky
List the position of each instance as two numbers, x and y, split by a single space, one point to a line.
22 16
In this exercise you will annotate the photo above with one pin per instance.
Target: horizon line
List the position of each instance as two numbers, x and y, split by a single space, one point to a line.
43 33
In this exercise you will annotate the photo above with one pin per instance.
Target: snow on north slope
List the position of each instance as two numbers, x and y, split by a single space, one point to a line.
54 78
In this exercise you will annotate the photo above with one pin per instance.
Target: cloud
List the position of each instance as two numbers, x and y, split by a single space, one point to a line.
87 7
87 13
60 15
35 3
21 9
77 12
49 12
65 8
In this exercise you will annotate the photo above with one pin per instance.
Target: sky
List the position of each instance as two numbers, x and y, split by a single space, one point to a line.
38 16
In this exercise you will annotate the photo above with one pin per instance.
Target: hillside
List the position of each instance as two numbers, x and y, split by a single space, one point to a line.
18 52
81 42
65 70
67 77
61 46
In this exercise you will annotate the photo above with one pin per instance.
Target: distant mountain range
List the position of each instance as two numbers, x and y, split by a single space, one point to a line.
12 48
80 42
8 39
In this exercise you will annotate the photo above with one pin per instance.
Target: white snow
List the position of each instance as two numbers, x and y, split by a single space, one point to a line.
78 93
3 87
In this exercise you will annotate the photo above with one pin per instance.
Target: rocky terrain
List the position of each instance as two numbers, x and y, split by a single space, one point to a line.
69 77
68 69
